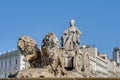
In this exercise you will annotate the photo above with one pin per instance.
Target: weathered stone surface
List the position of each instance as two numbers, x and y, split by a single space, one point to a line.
70 38
64 61
51 54
31 52
35 73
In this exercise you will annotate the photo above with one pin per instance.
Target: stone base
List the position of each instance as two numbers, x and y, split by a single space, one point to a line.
73 74
35 73
45 73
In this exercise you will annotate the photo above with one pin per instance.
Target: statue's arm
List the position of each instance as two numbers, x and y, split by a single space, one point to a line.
79 33
66 32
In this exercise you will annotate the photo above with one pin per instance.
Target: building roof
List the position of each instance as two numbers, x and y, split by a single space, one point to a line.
9 54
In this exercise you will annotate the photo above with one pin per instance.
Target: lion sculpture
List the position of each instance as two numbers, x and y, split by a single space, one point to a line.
30 51
51 53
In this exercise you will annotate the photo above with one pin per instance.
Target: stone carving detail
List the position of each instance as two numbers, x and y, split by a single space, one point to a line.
31 52
70 38
86 65
55 61
50 48
51 54
78 62
86 62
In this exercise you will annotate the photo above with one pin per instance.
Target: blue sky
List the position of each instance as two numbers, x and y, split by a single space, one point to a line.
99 21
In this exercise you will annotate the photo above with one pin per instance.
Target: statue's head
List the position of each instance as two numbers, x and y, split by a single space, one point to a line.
72 22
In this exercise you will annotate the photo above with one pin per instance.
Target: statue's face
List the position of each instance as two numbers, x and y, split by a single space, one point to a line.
72 22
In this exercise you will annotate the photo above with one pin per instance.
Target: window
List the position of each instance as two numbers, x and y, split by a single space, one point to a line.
10 62
5 75
1 64
16 61
5 63
119 54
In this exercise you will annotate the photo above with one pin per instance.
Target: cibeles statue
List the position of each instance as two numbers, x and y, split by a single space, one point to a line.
70 38
53 61
75 60
70 43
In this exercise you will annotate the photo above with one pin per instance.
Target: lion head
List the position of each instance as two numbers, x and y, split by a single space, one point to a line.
26 44
49 47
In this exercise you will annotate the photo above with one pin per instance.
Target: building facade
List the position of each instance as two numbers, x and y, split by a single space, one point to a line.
11 62
116 55
101 66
